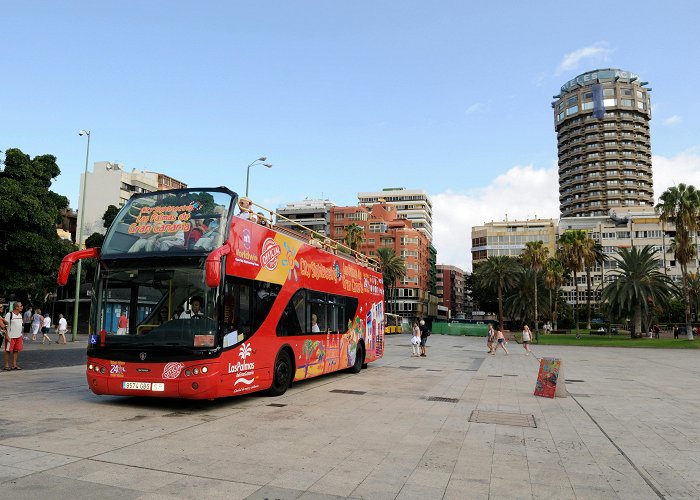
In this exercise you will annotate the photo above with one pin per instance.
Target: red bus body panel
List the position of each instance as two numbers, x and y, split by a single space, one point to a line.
259 253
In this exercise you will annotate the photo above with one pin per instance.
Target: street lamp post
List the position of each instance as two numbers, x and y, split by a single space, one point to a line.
256 162
80 239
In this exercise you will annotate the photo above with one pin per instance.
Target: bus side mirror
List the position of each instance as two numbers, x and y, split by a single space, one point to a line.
212 268
72 258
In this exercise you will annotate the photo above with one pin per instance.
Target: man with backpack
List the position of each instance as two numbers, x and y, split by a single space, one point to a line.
13 342
424 334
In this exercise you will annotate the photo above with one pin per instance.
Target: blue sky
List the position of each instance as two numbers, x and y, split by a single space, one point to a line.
449 96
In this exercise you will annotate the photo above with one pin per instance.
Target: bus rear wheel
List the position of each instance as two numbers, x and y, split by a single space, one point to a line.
359 359
282 374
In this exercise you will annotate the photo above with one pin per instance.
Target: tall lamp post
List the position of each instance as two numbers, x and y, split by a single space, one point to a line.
259 161
80 239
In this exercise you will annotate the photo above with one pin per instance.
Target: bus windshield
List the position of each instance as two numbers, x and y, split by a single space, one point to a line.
156 307
184 221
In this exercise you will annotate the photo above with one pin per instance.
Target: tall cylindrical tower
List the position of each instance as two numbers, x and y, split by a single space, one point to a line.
602 123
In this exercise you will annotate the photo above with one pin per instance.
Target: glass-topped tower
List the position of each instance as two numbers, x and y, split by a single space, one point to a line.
602 122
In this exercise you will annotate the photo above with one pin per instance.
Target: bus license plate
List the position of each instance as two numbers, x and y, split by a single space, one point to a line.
139 386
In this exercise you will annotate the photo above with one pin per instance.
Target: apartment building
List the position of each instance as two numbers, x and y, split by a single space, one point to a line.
384 227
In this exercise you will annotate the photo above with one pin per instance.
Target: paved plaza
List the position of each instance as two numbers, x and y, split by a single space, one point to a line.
400 429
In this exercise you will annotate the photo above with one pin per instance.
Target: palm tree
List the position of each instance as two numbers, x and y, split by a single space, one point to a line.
354 236
499 272
519 300
553 280
393 269
592 255
535 257
694 291
571 251
638 285
680 205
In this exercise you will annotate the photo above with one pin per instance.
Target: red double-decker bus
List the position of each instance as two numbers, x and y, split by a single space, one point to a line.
192 300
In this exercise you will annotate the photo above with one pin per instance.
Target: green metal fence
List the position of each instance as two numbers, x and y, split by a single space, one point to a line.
469 329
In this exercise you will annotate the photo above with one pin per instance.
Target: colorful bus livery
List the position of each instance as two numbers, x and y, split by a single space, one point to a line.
236 308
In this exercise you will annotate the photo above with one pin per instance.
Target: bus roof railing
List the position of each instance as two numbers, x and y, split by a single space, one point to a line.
314 238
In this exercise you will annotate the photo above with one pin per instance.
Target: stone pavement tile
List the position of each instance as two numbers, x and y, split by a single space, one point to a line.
340 482
309 495
51 444
425 476
45 462
510 488
378 488
548 491
10 455
590 485
419 492
673 484
50 487
197 488
270 492
296 479
115 475
548 474
459 489
9 473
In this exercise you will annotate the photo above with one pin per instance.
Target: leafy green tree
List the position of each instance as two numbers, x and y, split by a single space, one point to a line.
571 253
680 205
535 257
30 249
354 236
95 240
639 285
553 280
393 269
592 255
109 215
498 272
484 298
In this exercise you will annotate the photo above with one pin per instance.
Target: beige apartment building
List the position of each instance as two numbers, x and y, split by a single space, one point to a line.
111 184
633 227
509 237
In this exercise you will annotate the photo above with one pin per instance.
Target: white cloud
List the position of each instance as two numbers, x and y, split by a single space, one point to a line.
598 52
477 106
667 172
522 192
527 192
673 120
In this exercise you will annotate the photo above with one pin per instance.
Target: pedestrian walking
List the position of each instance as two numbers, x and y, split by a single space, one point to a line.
37 322
46 327
490 338
27 322
123 323
424 334
62 329
527 338
415 340
501 341
3 324
13 340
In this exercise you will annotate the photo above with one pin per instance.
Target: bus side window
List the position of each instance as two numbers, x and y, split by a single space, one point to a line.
293 316
350 311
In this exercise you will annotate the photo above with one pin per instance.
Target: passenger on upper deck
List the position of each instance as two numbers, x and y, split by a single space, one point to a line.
246 209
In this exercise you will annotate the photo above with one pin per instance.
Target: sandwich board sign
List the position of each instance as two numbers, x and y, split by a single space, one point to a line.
550 379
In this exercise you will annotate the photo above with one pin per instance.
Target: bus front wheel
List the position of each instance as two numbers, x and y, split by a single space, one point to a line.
281 375
359 359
